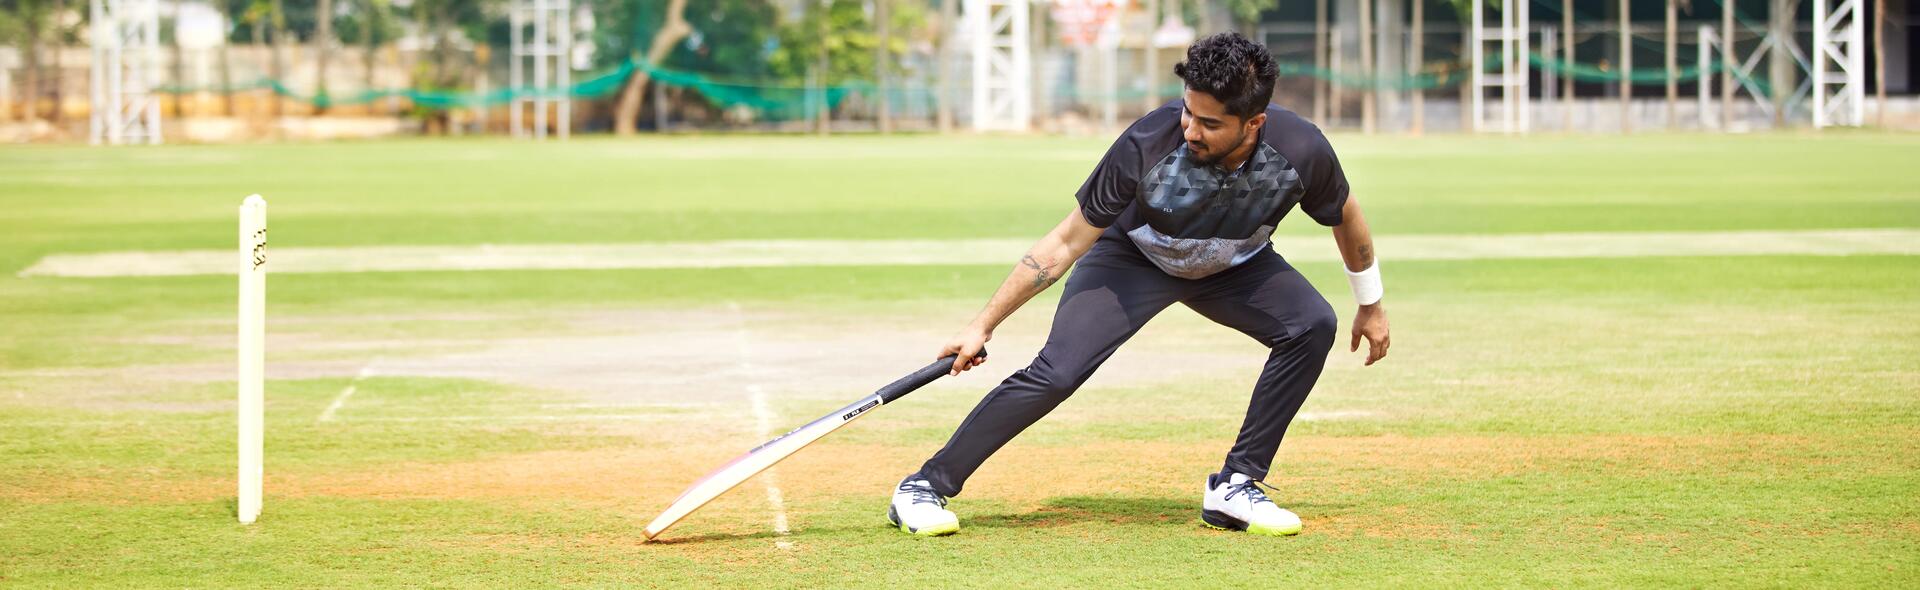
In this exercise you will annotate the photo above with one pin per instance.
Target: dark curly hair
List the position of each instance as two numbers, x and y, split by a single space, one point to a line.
1235 70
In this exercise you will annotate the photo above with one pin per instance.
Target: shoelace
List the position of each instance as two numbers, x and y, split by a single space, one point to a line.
1251 488
922 492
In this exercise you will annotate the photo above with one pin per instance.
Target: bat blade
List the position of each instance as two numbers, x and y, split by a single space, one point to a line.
744 467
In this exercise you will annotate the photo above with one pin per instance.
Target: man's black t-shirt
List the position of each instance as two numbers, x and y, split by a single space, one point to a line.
1193 220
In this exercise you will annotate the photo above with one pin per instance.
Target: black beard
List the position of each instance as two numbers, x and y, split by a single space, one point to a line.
1206 160
1218 155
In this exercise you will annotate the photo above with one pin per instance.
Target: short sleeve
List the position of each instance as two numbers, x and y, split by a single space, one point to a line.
1326 183
1114 183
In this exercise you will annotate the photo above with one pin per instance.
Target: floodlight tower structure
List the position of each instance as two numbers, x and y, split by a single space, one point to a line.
1509 79
1002 64
126 58
1839 64
543 46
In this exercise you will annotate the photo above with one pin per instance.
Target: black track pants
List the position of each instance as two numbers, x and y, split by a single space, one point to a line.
1111 294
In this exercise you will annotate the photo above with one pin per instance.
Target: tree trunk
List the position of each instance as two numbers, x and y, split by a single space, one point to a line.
1880 61
1566 53
1370 92
226 59
1320 61
1727 61
442 27
1469 118
880 62
59 61
323 42
820 65
627 112
1673 65
30 64
376 18
259 42
1626 66
276 67
949 25
1782 72
1419 63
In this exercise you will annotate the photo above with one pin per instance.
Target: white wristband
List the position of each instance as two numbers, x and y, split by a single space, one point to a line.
1366 284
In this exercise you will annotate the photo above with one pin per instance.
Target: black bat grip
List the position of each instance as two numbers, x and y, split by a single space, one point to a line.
920 378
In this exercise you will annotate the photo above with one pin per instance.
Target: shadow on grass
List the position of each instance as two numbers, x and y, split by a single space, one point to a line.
667 539
1054 512
1069 510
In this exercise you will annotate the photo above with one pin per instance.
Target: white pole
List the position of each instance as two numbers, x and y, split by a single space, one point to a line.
1474 113
1820 58
116 72
149 61
1856 63
1522 27
252 346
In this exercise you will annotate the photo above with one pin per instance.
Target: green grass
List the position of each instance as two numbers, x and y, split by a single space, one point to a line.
1706 421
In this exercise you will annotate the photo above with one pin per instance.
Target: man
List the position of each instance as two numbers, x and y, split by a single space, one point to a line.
1181 209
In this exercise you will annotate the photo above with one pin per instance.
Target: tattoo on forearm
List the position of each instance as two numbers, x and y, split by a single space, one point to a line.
1366 255
1043 272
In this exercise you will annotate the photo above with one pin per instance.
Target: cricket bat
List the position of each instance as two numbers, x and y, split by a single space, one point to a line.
771 452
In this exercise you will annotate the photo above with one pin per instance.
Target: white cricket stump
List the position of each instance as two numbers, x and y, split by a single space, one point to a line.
253 349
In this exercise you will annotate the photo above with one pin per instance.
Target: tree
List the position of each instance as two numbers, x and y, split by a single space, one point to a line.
226 56
672 30
446 23
324 39
371 24
1247 12
277 18
851 41
29 21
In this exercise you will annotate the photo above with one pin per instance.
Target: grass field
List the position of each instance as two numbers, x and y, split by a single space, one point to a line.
1566 422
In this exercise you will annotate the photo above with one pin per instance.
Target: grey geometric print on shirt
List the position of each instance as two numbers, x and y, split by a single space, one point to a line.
1202 220
1197 258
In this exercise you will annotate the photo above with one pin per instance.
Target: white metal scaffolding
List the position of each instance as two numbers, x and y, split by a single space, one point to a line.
1839 66
543 43
1002 66
126 59
1510 77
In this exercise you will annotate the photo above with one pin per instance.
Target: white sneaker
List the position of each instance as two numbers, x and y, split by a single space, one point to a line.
1236 503
919 510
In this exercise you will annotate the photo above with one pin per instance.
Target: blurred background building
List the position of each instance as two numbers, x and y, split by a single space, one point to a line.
131 71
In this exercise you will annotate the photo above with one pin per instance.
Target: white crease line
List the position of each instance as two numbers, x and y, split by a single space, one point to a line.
1335 415
763 418
612 405
798 253
531 418
341 400
228 417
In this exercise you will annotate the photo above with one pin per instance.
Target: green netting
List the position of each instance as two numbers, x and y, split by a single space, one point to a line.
773 101
770 100
1454 75
1592 73
1640 76
777 101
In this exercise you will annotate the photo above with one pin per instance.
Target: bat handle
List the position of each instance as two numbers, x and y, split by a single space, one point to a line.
920 378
